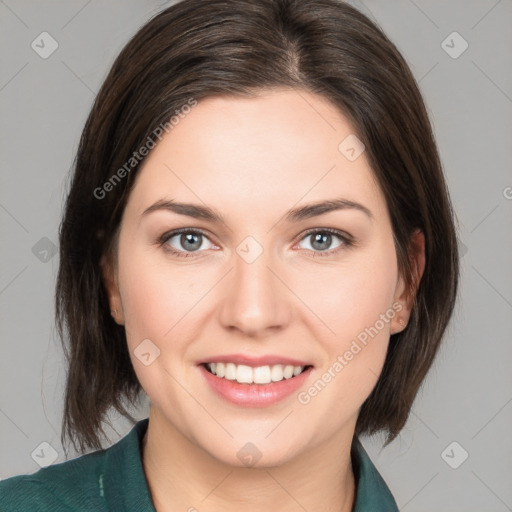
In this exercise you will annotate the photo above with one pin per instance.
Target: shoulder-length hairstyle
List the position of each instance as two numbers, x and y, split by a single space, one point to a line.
199 48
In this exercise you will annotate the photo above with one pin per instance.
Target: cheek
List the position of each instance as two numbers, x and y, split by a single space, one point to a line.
144 300
357 307
352 296
152 299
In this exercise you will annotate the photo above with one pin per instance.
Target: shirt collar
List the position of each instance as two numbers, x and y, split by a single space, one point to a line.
372 493
124 483
125 486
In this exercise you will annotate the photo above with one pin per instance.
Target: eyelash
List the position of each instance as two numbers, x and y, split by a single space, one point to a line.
347 241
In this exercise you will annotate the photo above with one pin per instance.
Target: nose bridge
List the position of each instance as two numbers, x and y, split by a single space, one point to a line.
254 299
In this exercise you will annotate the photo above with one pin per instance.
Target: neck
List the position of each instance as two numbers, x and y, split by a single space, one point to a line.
183 477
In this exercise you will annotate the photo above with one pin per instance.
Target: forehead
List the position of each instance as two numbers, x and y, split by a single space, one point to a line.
281 147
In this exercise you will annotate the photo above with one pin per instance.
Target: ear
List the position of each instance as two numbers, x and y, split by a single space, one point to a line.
111 285
403 294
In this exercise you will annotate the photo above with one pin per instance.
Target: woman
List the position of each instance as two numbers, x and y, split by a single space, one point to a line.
258 236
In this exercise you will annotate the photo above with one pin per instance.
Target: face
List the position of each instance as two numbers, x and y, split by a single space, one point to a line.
319 289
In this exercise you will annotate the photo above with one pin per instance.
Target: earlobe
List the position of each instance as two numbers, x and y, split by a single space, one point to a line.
405 295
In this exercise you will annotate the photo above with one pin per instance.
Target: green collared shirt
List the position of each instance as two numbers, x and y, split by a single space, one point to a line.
113 480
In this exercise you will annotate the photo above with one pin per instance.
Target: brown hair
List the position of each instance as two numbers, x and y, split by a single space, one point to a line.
199 48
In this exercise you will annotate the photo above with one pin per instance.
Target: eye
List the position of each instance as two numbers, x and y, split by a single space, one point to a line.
321 241
184 242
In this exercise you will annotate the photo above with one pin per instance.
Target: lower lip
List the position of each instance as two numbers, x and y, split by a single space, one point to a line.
254 395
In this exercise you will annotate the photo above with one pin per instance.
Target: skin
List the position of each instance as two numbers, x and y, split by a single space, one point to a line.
253 159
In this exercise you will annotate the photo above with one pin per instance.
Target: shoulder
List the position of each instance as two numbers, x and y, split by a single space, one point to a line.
108 479
69 486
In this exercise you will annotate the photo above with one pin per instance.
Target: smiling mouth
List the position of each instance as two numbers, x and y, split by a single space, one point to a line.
244 374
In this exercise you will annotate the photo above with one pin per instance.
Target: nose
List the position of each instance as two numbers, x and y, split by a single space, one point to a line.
255 301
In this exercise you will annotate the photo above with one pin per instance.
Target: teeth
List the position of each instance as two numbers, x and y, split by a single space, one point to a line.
288 372
260 375
230 372
244 374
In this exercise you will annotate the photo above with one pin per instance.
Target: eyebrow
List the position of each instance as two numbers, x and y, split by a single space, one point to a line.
294 215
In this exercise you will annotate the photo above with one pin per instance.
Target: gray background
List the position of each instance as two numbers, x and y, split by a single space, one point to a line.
467 397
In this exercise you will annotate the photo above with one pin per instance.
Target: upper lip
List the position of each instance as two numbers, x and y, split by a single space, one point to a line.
254 361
